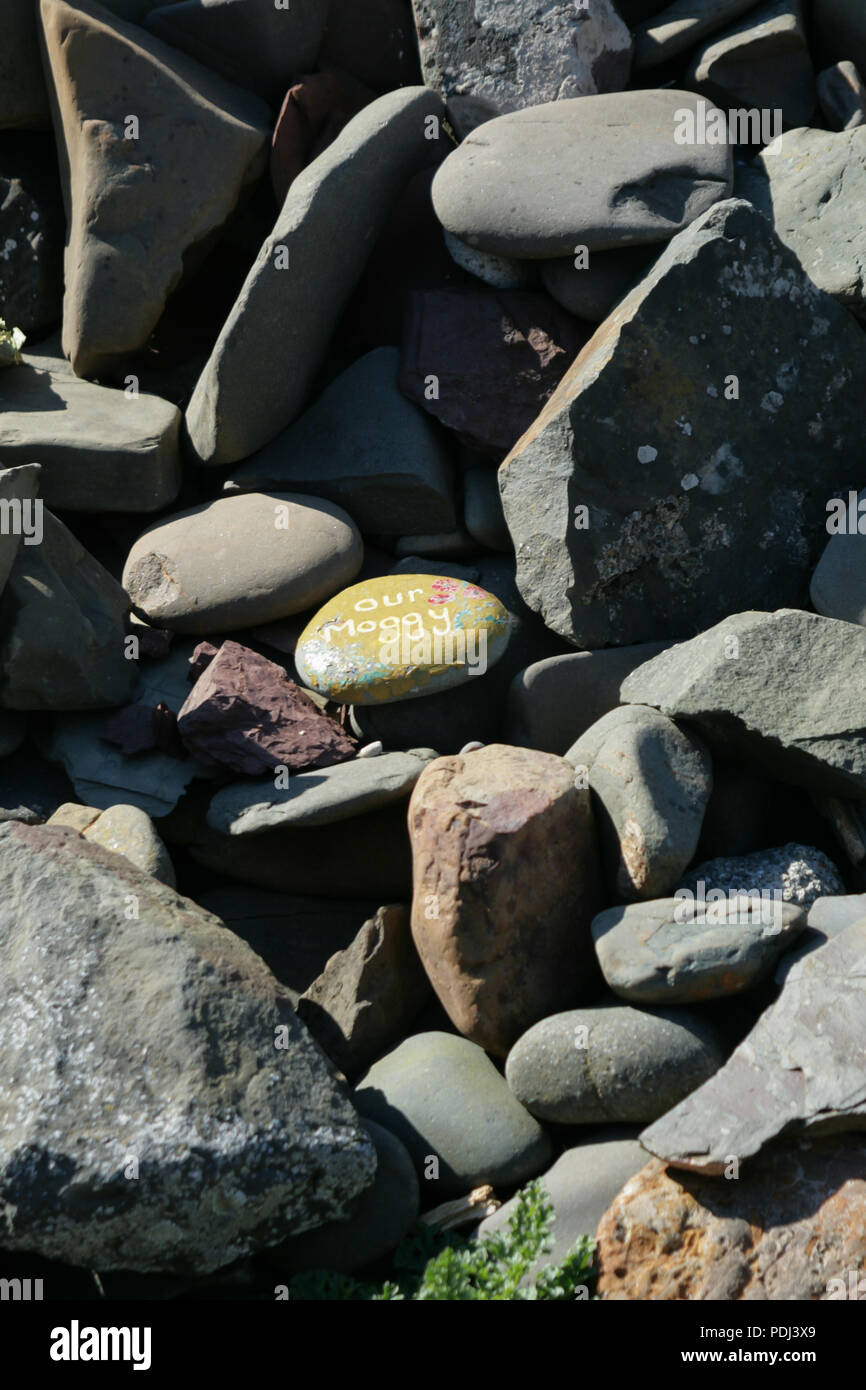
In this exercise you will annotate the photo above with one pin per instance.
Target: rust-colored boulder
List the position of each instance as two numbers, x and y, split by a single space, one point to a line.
790 1226
505 887
315 110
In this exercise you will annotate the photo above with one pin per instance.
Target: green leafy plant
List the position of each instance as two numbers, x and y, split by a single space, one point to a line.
437 1267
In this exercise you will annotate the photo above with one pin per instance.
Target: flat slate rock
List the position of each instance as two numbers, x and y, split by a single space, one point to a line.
488 57
101 774
802 1067
525 185
137 204
677 28
237 1142
254 43
612 1063
674 951
668 515
789 1229
243 713
733 684
243 559
650 782
260 372
323 797
400 637
100 450
808 184
484 362
363 445
443 1097
763 61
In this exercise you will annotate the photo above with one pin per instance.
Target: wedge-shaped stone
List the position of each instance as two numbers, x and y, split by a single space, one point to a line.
680 471
100 450
803 1066
258 377
734 684
155 150
163 1108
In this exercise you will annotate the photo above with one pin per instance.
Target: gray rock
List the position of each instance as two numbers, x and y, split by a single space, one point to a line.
553 702
499 271
23 98
734 685
842 96
129 831
809 185
102 775
246 558
611 1062
21 511
62 621
792 873
258 377
680 26
251 42
366 447
321 797
443 1097
591 292
487 57
141 201
762 62
368 858
518 188
187 1071
381 1217
482 509
827 917
667 516
801 1067
581 1185
296 937
838 587
100 450
677 951
650 782
368 995
31 262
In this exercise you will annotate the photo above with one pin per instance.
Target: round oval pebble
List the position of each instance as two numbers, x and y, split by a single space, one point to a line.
246 558
401 636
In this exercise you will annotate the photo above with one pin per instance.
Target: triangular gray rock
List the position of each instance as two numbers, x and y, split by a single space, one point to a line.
164 1109
803 1066
155 151
680 471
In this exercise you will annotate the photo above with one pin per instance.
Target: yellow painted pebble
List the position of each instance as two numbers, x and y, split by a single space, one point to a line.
399 637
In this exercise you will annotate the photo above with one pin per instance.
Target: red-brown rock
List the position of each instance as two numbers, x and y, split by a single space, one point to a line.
314 112
505 887
497 356
791 1226
244 713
